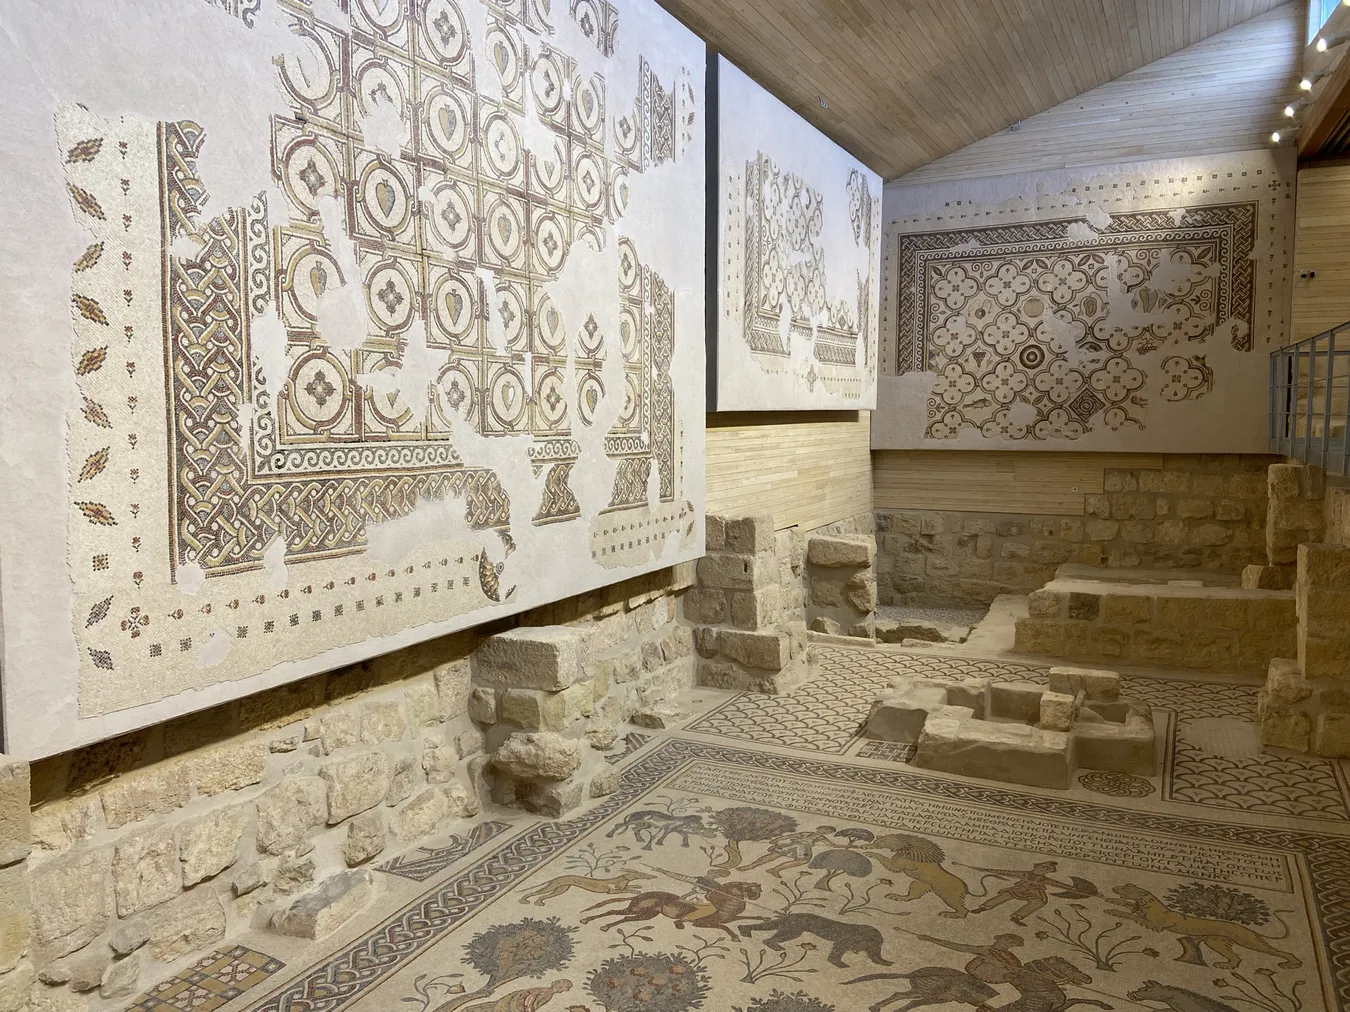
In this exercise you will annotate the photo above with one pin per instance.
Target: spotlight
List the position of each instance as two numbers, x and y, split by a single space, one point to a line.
1289 111
1305 84
1322 45
1275 137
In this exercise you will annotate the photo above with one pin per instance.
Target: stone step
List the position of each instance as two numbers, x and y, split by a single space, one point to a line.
1164 577
1174 624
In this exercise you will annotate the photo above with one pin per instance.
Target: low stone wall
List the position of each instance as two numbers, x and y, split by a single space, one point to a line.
1197 512
153 846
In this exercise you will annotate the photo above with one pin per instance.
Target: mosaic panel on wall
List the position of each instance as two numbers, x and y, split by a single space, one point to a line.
799 245
1130 311
445 365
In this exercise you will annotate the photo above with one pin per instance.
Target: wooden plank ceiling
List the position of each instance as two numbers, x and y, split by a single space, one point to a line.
908 81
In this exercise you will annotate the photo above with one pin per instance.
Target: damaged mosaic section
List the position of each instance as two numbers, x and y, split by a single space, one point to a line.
800 248
1086 311
438 314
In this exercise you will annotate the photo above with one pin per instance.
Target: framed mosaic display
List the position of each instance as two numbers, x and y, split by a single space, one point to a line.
796 258
1118 308
332 327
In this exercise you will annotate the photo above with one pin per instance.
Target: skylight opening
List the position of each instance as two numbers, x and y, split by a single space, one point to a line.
1318 13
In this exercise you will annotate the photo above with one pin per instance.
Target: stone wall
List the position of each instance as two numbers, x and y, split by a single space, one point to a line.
1196 512
153 846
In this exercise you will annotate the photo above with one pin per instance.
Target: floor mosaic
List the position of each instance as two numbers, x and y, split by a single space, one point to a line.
735 879
827 713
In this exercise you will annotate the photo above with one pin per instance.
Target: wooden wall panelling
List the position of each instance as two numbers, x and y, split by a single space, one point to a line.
906 83
1049 483
1321 245
808 469
1224 94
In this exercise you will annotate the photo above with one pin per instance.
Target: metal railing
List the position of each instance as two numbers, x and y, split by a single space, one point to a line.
1310 400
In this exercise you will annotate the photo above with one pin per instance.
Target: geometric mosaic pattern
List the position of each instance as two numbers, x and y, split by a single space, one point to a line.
401 323
826 715
1297 786
212 981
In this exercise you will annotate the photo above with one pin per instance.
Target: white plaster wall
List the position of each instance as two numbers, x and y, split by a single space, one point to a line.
1229 418
138 63
752 122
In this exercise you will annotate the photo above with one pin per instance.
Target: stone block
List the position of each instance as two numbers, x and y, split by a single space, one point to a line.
294 873
1011 753
1325 567
1268 577
483 705
1039 636
1016 700
749 534
553 799
714 533
1127 747
129 936
356 783
826 592
422 815
900 716
1283 482
538 710
828 626
453 681
1126 609
531 657
69 897
861 592
253 877
288 811
1046 604
735 572
339 729
422 707
769 650
543 756
382 721
1165 649
439 759
187 923
755 609
210 844
336 901
1084 607
1324 656
146 870
120 978
706 606
660 716
1290 729
1058 711
230 767
1285 684
605 783
19 991
15 916
839 551
402 779
367 836
1331 735
142 793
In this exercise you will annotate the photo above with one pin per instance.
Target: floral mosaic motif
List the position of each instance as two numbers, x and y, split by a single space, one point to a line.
263 431
1043 330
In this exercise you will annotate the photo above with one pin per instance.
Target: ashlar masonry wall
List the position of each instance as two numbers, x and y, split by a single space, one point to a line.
1195 512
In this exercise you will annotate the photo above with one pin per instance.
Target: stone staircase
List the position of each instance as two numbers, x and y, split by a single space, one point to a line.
1157 618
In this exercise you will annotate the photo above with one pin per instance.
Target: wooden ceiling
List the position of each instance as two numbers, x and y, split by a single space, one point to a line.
908 81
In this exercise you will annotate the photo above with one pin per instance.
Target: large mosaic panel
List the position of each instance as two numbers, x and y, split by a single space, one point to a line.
1129 311
798 249
401 332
